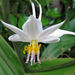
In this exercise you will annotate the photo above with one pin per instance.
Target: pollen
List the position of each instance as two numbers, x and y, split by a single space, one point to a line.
33 47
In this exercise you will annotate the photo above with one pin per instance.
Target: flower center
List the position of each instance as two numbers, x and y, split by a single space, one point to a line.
32 47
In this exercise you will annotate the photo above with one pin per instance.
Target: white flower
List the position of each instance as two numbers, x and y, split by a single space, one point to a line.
32 31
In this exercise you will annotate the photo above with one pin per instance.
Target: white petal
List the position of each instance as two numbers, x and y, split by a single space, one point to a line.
40 15
40 7
17 38
33 9
33 27
49 39
16 30
50 30
52 41
59 33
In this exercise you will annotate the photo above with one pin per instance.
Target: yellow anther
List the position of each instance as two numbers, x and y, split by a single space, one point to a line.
25 48
24 52
39 46
34 47
29 49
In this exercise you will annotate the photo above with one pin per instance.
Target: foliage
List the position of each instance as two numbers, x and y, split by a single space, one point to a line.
16 12
56 49
54 13
9 61
52 67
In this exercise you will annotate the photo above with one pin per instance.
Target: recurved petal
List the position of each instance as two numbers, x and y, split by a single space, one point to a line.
16 38
50 30
59 33
49 39
16 30
32 26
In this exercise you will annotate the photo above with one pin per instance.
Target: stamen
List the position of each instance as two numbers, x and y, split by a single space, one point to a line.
33 49
29 49
27 58
25 49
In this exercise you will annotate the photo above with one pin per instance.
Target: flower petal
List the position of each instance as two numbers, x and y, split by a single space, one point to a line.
16 30
49 39
50 30
33 9
52 41
33 27
59 33
40 7
17 38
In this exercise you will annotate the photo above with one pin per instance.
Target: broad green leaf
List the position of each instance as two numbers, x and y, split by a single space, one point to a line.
13 19
54 13
42 2
5 68
51 1
72 53
67 3
51 63
64 1
1 71
10 57
56 49
70 26
22 20
70 14
63 70
4 9
45 21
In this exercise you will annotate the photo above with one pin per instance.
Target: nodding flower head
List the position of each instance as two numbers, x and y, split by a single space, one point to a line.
33 32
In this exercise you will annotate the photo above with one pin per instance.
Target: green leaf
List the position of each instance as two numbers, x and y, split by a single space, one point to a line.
50 63
51 1
42 2
4 9
1 71
64 1
72 53
54 13
3 65
70 14
63 70
13 20
45 21
22 20
56 49
70 26
9 57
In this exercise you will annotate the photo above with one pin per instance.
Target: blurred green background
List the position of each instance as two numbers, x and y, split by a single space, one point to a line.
57 58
